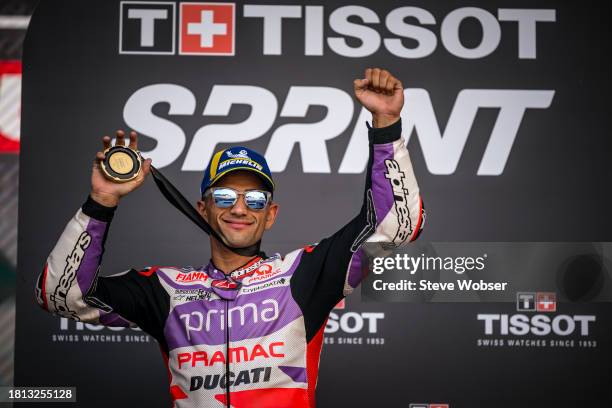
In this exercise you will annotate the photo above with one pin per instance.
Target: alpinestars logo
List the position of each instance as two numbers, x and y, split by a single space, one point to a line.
59 297
400 197
244 273
224 284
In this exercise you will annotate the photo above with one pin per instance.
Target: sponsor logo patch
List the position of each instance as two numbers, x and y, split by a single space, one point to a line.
214 319
212 381
264 272
239 354
266 285
224 284
192 277
189 295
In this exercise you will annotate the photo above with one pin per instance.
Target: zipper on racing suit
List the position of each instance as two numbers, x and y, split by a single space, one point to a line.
227 355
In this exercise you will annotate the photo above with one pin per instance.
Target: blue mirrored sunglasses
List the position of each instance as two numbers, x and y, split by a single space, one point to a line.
225 197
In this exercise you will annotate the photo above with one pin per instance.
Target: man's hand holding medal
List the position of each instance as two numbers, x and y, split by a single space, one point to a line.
117 170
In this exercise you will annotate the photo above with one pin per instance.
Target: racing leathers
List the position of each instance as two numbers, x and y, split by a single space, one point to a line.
252 337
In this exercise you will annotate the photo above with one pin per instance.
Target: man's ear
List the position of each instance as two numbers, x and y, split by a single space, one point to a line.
202 209
271 216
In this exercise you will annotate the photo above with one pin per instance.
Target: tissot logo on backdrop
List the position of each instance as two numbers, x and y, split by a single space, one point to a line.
209 29
353 328
146 28
71 331
532 301
203 29
418 405
546 302
543 329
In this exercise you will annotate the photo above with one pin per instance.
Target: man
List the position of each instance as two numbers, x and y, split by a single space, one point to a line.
246 330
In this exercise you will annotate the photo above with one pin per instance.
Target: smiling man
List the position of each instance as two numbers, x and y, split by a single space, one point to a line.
231 174
246 329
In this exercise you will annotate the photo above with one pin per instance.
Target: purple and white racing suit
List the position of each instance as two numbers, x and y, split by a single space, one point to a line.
252 337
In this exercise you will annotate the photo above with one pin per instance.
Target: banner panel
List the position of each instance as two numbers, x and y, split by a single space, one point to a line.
505 119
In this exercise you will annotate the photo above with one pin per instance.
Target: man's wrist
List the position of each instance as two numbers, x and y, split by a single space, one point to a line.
381 121
387 134
98 210
107 200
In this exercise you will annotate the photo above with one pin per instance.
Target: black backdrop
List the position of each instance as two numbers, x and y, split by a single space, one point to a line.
554 186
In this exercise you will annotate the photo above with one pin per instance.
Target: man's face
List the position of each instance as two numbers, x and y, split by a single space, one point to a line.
240 225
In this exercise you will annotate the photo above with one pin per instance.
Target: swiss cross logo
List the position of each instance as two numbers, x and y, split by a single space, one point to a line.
546 302
207 29
526 301
438 405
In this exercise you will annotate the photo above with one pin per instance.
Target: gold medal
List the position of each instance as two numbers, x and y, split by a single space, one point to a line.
121 164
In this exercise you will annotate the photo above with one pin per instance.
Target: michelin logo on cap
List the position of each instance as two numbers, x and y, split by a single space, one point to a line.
236 158
241 154
244 162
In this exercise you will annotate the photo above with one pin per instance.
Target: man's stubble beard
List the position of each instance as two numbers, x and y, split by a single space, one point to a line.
239 239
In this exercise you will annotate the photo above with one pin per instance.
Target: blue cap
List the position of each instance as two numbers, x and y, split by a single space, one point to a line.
236 158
